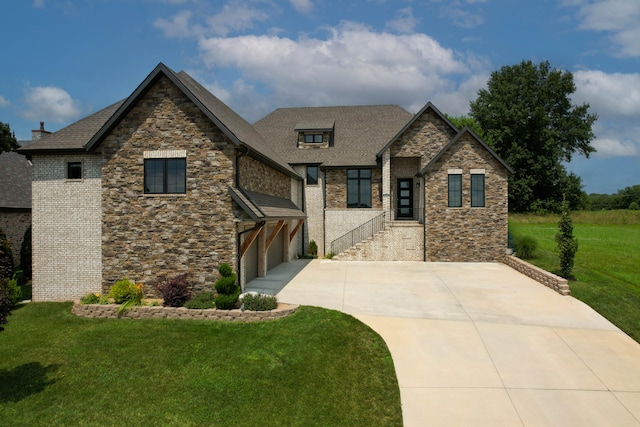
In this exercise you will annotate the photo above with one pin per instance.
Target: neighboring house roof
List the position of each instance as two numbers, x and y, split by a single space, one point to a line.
428 106
75 136
359 132
15 181
456 139
262 207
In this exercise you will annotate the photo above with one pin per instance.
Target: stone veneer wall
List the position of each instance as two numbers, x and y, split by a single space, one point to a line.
424 138
14 223
147 312
466 234
149 236
550 280
66 233
258 177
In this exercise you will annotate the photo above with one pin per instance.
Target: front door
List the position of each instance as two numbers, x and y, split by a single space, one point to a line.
405 198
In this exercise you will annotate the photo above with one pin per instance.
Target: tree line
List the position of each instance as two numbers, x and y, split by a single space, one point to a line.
627 198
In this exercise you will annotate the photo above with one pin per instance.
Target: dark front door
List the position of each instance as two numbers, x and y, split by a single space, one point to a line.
405 198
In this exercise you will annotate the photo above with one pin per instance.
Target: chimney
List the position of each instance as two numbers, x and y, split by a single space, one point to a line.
39 133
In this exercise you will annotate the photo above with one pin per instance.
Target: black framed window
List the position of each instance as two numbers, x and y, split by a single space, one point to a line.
455 190
358 188
313 138
165 176
477 191
312 175
74 170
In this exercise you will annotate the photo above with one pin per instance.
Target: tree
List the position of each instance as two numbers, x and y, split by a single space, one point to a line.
567 244
528 118
6 257
462 121
5 304
8 141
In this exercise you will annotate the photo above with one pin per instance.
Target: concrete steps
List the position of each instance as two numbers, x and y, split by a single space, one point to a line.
402 241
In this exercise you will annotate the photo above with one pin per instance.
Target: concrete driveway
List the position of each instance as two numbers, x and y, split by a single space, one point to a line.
479 344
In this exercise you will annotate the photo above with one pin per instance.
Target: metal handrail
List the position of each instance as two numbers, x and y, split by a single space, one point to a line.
358 234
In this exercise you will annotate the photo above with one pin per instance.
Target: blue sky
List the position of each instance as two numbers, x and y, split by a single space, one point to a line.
64 59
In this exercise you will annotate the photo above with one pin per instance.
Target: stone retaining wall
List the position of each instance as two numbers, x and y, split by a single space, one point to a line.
550 280
147 312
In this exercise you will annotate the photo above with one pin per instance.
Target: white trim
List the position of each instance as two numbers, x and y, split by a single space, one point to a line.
454 171
478 172
165 154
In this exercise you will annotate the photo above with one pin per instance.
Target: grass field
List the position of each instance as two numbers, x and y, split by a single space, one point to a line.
607 264
315 367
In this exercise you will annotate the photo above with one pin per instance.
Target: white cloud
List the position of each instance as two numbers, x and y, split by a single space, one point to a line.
51 104
302 6
613 147
235 16
3 101
405 22
618 17
177 27
353 65
462 13
614 95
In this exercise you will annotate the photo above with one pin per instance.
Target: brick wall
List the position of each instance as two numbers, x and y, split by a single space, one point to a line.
466 234
314 208
66 231
340 221
148 236
14 223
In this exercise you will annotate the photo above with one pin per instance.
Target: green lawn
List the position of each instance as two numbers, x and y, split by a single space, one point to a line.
315 367
607 265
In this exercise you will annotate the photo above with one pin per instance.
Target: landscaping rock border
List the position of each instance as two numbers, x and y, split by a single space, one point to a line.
110 311
550 280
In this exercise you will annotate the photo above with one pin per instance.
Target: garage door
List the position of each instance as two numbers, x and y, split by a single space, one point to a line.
274 256
251 262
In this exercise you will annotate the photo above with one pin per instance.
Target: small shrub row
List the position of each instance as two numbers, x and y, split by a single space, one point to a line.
259 302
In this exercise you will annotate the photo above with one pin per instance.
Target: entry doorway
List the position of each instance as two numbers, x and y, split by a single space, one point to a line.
405 199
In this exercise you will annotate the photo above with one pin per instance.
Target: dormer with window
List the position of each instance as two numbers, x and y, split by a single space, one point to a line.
315 134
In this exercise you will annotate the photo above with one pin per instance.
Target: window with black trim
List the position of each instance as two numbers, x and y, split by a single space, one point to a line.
312 175
313 138
455 190
477 190
358 188
165 176
74 170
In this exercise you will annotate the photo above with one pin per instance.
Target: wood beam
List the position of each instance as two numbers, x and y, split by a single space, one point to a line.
273 234
249 240
295 230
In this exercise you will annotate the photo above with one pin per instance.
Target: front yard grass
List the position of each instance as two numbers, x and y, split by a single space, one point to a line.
606 264
315 367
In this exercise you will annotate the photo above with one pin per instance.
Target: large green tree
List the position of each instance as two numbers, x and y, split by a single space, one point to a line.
8 142
527 116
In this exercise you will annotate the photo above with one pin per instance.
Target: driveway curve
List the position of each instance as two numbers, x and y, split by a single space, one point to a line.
479 343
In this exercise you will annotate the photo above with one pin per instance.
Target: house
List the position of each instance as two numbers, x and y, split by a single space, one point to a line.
171 180
15 199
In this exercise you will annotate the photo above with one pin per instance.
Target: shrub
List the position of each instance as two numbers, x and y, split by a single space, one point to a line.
226 285
567 244
175 291
227 301
525 247
313 248
13 290
90 299
259 302
225 270
201 300
25 256
6 257
125 290
5 304
634 206
330 255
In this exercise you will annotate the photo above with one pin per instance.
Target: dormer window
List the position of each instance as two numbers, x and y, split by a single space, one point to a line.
313 138
315 133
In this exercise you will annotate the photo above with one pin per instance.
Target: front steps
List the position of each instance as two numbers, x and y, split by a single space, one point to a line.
399 241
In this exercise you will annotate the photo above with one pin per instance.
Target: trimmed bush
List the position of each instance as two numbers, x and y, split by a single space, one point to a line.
13 290
313 248
125 290
259 302
225 270
175 291
226 285
25 256
567 244
201 300
227 301
526 247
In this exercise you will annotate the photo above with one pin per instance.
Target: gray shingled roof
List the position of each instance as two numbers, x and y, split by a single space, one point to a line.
76 135
360 132
15 181
262 207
